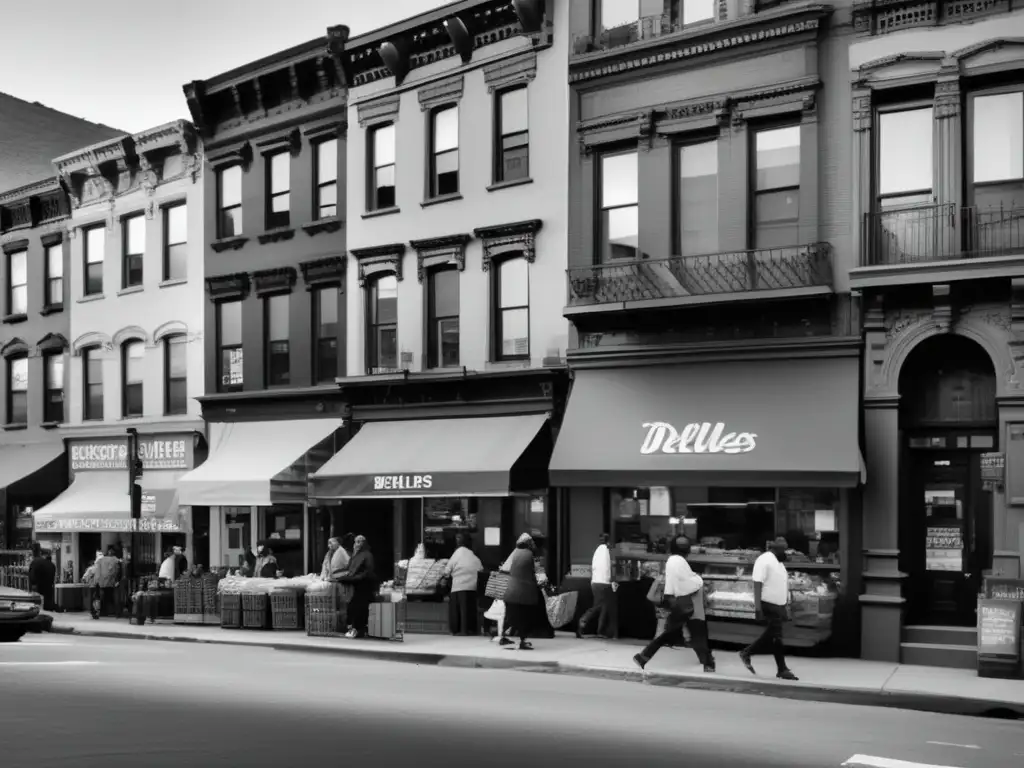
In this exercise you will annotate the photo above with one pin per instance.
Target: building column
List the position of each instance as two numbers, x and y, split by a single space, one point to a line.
1007 510
863 117
948 152
216 530
655 166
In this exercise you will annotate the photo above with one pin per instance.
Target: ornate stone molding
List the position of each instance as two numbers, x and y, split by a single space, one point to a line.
615 129
863 111
437 251
14 348
91 340
276 280
290 142
333 129
226 287
947 98
51 343
239 153
380 110
795 96
228 243
512 72
506 239
331 224
129 333
102 166
320 272
15 246
379 259
169 329
942 307
448 91
276 235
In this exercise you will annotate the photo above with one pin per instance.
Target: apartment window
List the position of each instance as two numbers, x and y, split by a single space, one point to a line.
512 289
620 206
53 388
229 201
444 159
279 187
326 203
905 158
17 283
325 334
229 342
54 275
176 242
443 318
615 14
175 375
95 243
17 390
92 383
382 341
276 319
382 168
697 198
134 246
132 355
513 160
997 157
777 187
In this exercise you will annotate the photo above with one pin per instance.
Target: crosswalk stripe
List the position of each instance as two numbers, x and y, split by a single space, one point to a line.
869 761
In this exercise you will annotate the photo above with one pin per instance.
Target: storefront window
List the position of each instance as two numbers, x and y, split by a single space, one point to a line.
283 534
442 520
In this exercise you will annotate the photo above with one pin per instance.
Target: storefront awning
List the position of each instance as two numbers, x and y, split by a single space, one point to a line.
439 457
18 462
259 463
761 423
99 501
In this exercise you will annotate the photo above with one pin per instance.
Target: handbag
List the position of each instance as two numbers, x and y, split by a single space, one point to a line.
656 594
561 608
497 584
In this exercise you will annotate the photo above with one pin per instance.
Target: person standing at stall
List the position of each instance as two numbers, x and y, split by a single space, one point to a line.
603 587
463 568
771 596
42 574
180 562
169 568
108 576
522 595
363 578
335 561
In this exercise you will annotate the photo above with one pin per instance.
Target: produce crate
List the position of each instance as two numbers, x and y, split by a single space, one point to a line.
423 618
286 609
322 616
181 602
231 611
388 621
255 611
194 600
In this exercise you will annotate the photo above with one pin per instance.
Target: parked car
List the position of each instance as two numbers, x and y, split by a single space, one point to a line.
19 613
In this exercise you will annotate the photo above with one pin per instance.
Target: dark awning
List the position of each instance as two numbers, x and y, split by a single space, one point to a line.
787 422
20 462
439 457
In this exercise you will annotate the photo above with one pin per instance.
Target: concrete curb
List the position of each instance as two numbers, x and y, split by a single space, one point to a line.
921 702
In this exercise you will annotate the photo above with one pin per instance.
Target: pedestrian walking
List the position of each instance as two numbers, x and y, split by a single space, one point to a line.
683 589
42 574
603 587
771 598
522 595
363 578
463 568
107 577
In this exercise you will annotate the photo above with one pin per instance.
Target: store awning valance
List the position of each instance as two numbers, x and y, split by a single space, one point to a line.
259 463
99 501
20 462
439 457
765 423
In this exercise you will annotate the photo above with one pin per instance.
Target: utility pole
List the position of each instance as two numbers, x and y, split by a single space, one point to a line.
135 494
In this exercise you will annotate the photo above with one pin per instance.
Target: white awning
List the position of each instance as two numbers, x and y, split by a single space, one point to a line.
99 501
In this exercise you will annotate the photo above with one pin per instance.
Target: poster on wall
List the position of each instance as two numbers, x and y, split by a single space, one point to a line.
944 547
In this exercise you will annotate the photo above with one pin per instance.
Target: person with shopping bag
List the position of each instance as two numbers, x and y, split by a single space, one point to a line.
462 570
522 596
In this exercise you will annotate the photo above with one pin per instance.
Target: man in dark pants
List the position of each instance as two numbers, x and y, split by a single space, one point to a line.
363 578
108 576
42 574
771 596
602 586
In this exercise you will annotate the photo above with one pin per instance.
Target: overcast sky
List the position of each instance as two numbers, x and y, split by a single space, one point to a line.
123 62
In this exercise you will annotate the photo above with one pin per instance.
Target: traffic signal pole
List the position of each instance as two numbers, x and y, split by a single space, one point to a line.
135 494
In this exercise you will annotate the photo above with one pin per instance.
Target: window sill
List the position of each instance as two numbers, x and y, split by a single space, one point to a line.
91 297
382 212
500 185
276 235
51 309
441 199
17 317
332 224
225 243
131 418
50 424
175 281
130 290
15 427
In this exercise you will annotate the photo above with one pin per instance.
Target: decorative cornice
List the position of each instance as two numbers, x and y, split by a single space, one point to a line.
379 259
276 280
290 141
320 272
448 91
276 235
330 224
334 129
239 153
13 348
228 243
29 190
51 239
509 73
15 246
233 286
381 110
50 343
435 251
499 241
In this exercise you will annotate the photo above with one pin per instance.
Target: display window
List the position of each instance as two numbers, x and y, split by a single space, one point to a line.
283 534
443 519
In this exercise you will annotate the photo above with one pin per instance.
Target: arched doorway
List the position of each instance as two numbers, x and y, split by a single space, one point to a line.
948 419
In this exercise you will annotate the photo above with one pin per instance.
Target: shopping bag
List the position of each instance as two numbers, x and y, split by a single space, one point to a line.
497 583
656 594
561 608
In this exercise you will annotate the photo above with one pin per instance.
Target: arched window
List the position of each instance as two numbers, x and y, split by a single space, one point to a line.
512 309
92 383
132 354
382 325
175 376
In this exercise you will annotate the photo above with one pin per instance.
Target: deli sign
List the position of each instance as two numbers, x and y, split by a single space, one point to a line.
402 482
697 437
112 453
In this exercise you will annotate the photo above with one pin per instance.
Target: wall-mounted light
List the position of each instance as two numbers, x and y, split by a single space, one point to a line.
395 55
530 13
460 37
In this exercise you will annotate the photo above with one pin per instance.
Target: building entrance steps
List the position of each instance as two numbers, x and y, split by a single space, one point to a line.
852 681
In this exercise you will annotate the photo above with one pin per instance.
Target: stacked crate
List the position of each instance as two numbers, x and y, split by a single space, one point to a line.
211 600
231 610
286 609
255 610
181 600
322 615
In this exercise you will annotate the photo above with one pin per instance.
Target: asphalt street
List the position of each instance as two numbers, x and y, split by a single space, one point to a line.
98 702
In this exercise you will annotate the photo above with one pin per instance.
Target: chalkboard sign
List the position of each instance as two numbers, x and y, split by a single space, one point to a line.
999 628
997 588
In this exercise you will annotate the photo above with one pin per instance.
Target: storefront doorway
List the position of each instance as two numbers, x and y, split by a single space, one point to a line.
948 418
237 535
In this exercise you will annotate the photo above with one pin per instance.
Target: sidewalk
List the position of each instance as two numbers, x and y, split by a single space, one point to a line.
850 681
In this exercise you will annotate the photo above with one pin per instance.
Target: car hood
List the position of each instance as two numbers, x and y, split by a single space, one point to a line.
13 594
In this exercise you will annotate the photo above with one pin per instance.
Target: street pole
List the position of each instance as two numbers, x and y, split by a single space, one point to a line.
135 494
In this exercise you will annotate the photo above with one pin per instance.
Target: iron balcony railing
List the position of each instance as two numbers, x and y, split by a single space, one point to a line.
681 277
942 232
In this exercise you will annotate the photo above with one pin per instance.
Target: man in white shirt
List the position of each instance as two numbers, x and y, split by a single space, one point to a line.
682 588
771 596
603 587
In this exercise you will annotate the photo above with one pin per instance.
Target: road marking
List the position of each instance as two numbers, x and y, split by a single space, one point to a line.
951 744
867 761
48 663
30 644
